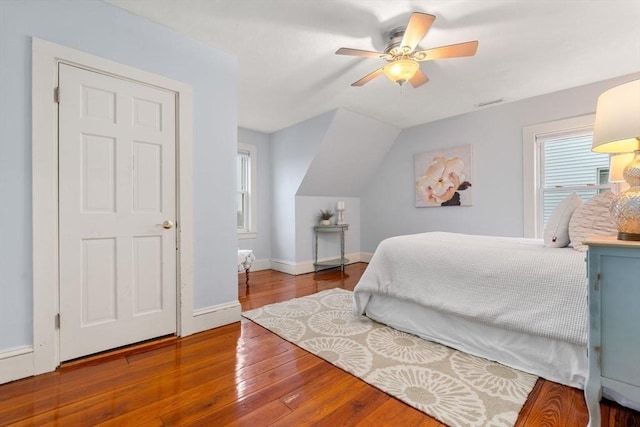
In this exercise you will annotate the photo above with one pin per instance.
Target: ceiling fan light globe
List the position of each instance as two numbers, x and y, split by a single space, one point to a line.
401 71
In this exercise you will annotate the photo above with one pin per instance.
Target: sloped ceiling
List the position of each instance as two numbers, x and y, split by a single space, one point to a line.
350 152
288 71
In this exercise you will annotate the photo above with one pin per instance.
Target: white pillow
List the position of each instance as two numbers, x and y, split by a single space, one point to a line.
556 232
592 219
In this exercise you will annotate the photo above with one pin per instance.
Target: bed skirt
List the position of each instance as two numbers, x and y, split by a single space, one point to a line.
554 360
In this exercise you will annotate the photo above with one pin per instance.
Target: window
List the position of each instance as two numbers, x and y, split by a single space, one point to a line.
568 165
246 221
558 161
603 178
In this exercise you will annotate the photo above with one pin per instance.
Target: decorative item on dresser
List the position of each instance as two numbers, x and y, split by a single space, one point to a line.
614 315
324 217
617 130
340 209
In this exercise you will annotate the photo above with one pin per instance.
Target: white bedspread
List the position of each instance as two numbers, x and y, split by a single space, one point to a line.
512 283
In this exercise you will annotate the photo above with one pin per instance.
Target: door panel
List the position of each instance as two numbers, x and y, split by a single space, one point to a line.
98 281
117 186
147 177
98 174
147 275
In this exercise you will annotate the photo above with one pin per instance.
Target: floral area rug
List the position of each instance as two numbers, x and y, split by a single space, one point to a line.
455 388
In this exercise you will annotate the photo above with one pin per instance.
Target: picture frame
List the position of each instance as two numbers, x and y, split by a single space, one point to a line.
443 177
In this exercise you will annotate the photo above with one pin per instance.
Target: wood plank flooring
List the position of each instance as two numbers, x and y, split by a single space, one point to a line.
243 375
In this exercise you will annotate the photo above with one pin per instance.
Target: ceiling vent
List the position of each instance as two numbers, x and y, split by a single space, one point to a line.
487 103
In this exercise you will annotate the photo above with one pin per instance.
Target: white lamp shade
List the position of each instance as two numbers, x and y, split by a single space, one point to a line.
617 124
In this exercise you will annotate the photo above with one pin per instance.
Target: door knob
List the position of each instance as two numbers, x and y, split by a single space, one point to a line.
167 224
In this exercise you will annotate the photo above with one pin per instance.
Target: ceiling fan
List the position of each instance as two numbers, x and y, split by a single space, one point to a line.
401 55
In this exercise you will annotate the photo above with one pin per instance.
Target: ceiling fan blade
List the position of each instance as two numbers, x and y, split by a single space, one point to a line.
418 79
368 77
419 24
450 51
358 52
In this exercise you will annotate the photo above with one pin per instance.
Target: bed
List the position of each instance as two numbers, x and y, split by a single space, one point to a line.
511 300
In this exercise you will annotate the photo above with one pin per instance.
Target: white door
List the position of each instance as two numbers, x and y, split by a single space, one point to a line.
117 188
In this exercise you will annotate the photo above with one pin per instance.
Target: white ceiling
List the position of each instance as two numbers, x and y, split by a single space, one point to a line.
288 71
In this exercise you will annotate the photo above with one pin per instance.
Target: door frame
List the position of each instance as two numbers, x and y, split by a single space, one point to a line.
45 59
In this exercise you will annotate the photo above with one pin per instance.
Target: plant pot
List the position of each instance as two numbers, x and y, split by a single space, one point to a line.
325 222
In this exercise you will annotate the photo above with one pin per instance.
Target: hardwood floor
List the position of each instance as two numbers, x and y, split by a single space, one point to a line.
243 375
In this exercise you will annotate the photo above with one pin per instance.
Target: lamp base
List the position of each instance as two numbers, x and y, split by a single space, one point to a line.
629 236
625 208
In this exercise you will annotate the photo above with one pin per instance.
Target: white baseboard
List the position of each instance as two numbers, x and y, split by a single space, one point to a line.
214 316
260 264
283 266
304 267
366 257
16 363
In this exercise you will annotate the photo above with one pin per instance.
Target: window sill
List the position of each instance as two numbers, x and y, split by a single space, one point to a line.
247 235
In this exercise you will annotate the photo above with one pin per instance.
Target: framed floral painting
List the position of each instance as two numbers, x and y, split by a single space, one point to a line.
443 177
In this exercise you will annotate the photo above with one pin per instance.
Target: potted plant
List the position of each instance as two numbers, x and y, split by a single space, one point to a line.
325 216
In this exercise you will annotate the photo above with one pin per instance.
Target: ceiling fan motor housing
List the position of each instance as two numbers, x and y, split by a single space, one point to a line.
395 40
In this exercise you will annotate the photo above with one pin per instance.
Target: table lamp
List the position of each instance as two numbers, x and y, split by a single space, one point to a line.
617 130
617 163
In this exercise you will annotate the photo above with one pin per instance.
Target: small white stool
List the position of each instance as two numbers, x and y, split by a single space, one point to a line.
245 259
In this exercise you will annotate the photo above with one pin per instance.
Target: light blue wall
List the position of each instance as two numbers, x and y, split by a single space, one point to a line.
307 210
316 163
351 150
104 30
292 150
261 245
387 204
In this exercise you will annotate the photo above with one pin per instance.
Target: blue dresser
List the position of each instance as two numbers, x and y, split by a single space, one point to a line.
614 323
